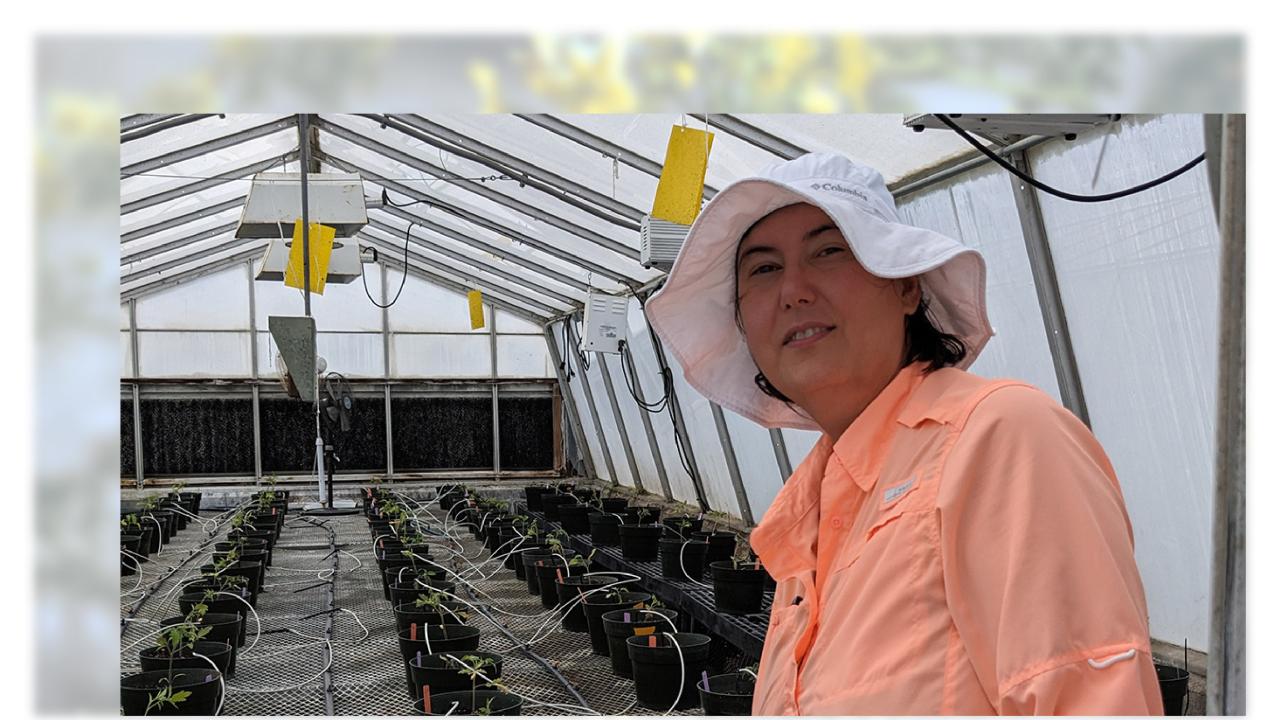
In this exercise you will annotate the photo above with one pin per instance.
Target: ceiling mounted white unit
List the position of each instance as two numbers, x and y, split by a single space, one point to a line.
275 202
344 262
1006 128
660 242
604 323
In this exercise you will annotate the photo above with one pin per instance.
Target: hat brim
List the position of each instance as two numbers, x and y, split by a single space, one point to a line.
694 312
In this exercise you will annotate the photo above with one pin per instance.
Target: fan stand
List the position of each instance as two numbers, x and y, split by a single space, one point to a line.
330 506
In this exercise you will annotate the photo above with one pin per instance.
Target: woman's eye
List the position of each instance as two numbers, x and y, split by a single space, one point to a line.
763 268
831 250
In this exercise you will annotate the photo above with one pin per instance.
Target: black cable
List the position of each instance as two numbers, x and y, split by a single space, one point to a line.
1054 191
404 276
628 372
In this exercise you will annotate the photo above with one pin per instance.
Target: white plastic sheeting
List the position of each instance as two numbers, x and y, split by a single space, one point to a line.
524 357
440 356
341 307
423 307
1139 281
604 462
126 350
169 354
978 209
214 302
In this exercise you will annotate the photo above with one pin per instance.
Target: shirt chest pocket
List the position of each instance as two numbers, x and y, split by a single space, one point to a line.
873 602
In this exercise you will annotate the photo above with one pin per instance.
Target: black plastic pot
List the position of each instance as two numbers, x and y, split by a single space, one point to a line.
613 504
622 624
604 528
597 604
492 531
434 639
408 591
656 670
672 524
720 544
129 561
223 627
451 613
499 703
548 570
250 571
740 591
517 557
529 560
167 525
220 605
153 658
567 592
201 683
1173 688
533 497
728 694
670 552
441 675
639 542
551 505
245 544
573 518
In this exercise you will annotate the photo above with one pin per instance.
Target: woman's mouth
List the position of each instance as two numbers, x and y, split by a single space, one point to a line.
807 336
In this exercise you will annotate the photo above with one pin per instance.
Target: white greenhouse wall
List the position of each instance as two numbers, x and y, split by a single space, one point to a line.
1139 280
608 424
524 356
978 209
169 354
632 424
215 302
593 440
647 370
757 463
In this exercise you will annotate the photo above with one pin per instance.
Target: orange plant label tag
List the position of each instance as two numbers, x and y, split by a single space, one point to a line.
644 631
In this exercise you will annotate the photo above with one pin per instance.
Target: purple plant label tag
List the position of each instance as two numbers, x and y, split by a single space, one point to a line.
706 682
626 617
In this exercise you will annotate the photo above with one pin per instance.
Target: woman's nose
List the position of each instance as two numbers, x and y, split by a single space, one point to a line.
796 288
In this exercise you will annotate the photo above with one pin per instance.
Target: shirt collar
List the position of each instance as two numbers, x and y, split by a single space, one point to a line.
865 441
786 536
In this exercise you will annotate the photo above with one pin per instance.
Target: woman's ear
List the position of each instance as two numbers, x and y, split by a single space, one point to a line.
909 291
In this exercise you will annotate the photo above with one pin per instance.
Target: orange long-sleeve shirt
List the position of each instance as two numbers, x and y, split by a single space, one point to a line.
963 548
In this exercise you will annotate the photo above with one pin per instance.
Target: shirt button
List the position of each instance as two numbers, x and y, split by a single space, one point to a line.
836 522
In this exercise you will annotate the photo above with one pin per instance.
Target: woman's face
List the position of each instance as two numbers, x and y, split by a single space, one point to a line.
818 324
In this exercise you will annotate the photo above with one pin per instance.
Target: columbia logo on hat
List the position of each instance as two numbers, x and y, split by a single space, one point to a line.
832 187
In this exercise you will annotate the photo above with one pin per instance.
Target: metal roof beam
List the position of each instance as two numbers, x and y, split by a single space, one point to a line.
192 216
606 148
219 179
480 189
476 263
744 130
163 248
389 247
194 273
484 246
481 221
161 126
130 122
536 177
200 254
207 147
439 276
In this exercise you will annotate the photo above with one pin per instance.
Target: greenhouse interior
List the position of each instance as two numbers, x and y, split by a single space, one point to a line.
468 435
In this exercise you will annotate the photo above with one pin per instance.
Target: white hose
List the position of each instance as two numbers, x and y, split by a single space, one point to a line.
680 688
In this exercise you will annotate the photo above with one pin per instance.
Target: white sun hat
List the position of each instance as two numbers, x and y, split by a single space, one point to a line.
694 315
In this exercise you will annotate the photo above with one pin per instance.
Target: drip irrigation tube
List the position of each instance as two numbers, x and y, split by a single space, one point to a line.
531 654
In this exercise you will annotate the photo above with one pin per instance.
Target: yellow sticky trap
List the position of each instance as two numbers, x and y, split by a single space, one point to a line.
477 309
679 196
320 246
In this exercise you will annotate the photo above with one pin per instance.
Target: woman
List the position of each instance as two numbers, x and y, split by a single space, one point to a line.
952 544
